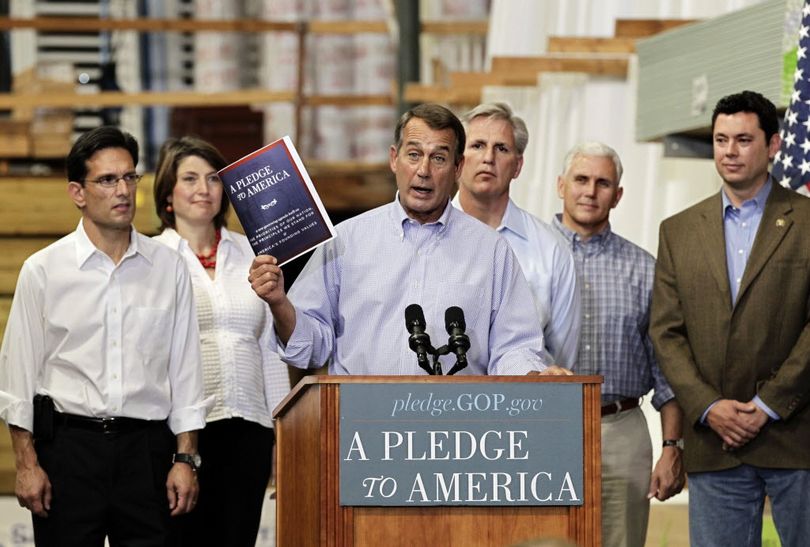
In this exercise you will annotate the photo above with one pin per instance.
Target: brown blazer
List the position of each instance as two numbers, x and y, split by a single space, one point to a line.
709 349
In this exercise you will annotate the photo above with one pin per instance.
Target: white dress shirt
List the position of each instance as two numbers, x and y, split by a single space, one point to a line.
103 340
242 374
549 268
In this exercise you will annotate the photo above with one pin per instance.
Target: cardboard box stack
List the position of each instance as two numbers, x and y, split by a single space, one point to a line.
14 138
40 132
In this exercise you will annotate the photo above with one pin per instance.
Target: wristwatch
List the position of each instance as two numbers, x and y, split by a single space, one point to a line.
194 460
673 442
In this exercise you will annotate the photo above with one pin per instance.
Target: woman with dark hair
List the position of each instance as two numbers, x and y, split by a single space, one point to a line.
242 376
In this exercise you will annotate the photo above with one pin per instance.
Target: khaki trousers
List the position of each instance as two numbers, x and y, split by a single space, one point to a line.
626 468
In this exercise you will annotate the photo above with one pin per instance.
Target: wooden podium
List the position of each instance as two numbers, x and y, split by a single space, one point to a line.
308 483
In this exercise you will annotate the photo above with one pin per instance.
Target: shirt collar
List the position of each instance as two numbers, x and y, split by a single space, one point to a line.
572 237
85 248
401 216
513 221
758 200
225 235
170 237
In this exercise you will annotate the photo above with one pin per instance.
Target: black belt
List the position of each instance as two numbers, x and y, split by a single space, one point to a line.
107 426
619 406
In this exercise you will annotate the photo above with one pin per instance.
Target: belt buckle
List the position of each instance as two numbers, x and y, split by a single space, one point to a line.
108 426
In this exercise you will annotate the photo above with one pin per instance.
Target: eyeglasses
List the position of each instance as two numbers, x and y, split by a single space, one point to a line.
111 181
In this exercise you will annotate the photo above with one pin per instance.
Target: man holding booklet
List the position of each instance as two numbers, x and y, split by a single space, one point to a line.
347 306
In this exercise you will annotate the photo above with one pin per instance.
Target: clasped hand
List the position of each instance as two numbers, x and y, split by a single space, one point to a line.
736 423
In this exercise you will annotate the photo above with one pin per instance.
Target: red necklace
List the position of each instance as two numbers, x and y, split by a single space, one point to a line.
210 260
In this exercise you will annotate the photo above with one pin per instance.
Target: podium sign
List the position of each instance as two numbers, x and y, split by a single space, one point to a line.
476 460
423 444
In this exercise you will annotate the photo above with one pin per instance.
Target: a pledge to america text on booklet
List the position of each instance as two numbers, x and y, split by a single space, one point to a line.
276 202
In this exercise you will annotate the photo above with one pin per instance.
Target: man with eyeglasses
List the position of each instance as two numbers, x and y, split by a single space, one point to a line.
100 376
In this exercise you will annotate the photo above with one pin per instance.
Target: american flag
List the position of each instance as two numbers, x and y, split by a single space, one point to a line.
791 166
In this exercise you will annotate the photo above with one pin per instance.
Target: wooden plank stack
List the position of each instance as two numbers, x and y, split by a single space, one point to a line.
596 56
39 132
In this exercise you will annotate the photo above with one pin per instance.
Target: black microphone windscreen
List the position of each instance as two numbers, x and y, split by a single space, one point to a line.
452 315
414 316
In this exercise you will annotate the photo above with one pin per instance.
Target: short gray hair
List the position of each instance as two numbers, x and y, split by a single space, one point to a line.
501 111
593 148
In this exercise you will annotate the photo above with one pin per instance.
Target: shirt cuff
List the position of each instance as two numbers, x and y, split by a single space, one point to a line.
190 418
298 349
18 413
706 412
765 408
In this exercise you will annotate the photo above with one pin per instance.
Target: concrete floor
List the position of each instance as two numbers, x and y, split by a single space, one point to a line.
669 526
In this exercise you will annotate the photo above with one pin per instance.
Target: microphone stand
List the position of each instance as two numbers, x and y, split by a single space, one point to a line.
415 340
455 342
435 353
460 364
461 361
437 366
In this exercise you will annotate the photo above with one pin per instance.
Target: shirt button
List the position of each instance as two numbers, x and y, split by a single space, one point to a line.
740 251
115 376
738 280
587 316
588 347
587 285
115 344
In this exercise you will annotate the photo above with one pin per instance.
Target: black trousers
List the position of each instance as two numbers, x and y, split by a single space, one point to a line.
106 485
236 466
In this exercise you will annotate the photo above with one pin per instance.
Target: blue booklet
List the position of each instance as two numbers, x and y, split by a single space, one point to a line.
276 202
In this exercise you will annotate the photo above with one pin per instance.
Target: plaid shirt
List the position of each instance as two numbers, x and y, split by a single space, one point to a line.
616 279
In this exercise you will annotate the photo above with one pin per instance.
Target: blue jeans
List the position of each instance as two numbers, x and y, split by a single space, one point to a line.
725 507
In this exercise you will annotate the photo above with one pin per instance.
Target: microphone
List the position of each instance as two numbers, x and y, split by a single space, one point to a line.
458 342
419 341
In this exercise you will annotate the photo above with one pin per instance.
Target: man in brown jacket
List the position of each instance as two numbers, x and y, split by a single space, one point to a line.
731 329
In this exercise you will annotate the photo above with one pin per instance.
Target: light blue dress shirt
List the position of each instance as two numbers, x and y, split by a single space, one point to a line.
350 299
740 227
548 266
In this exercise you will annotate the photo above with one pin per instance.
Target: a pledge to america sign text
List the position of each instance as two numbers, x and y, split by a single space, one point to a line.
461 444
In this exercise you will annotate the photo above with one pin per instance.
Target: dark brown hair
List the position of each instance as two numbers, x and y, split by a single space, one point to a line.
172 153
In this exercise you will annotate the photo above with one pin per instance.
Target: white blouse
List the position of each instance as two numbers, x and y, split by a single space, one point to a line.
246 378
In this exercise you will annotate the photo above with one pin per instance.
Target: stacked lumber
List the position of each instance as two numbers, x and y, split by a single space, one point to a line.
606 57
39 132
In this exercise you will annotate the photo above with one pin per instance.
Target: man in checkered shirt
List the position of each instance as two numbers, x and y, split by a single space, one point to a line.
616 279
